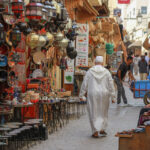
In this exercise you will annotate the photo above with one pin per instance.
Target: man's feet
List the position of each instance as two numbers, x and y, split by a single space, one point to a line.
103 133
95 135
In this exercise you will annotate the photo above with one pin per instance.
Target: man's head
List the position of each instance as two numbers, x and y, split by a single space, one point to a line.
129 60
143 57
146 54
99 60
119 14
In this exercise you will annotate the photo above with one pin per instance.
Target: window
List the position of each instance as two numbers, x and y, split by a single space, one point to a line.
143 10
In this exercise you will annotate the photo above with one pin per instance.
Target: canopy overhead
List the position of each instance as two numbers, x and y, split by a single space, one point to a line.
135 44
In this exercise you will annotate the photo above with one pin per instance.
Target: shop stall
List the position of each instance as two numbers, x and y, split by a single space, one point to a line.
36 48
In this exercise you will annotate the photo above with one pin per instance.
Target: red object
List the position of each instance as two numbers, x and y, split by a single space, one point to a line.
17 7
34 101
123 1
30 112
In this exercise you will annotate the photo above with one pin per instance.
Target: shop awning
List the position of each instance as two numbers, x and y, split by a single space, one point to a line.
84 10
135 44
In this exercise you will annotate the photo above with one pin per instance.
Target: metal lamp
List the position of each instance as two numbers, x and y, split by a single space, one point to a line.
17 7
53 10
15 36
49 9
2 5
34 11
2 34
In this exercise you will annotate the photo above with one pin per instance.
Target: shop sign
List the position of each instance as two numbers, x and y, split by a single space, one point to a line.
82 45
69 72
123 1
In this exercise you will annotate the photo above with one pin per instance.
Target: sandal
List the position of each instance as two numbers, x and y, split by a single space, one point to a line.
95 135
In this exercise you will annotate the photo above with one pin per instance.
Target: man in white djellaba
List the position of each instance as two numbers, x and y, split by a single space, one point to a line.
99 87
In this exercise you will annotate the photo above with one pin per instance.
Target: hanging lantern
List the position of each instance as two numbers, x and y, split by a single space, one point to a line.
49 9
27 31
53 10
2 34
63 15
34 11
2 8
2 5
17 7
15 36
44 16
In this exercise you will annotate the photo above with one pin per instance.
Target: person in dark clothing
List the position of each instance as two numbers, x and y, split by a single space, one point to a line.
141 120
121 73
143 68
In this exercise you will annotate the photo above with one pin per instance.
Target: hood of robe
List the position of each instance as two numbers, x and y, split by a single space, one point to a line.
98 71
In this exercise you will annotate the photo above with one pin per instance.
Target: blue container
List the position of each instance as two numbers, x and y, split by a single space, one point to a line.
141 87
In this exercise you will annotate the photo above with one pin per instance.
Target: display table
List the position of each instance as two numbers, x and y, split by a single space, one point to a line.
136 141
20 111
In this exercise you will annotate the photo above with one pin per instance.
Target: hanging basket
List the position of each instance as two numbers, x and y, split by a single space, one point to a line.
99 26
107 27
146 44
100 51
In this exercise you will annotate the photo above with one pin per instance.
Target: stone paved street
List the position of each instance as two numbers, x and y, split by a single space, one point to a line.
77 134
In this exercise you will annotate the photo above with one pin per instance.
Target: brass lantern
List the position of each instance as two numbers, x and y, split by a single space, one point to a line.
49 9
15 36
2 34
53 10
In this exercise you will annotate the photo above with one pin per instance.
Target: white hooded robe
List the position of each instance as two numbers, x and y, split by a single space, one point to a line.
99 86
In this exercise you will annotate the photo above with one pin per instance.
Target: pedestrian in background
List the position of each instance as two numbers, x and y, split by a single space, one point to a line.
119 78
147 60
143 68
136 60
99 86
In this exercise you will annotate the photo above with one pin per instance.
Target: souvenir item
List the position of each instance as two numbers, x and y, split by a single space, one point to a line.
63 63
13 58
63 43
72 55
3 75
41 41
59 36
37 73
38 57
50 38
9 18
3 60
11 78
32 40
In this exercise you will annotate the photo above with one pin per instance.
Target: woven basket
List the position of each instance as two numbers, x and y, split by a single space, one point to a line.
116 28
99 26
100 51
107 27
146 45
91 27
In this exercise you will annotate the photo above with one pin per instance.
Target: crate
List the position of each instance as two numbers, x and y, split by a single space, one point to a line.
141 87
